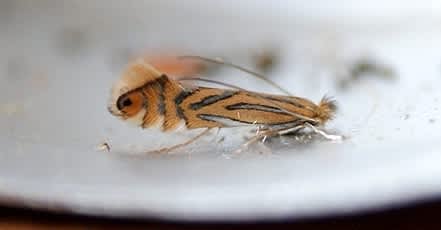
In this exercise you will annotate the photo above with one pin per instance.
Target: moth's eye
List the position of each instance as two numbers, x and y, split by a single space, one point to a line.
130 104
127 102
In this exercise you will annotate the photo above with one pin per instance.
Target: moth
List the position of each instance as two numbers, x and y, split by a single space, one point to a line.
148 98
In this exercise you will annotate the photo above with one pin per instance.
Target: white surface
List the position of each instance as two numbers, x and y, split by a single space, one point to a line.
53 109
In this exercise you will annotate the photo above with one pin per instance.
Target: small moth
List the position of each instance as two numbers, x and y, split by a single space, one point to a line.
146 97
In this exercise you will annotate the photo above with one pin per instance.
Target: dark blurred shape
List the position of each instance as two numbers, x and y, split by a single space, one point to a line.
72 41
266 60
366 67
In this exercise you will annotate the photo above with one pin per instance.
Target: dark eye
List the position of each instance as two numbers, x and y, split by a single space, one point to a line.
124 102
131 103
127 102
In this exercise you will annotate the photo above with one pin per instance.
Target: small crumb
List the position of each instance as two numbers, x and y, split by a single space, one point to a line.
105 146
432 120
222 139
406 116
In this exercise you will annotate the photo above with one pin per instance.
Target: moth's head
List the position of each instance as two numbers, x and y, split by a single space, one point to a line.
127 100
130 105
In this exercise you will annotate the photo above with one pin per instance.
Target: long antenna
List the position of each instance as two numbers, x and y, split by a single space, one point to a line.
211 81
222 62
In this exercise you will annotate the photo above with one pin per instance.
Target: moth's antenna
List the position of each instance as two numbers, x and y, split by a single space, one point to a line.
211 81
222 62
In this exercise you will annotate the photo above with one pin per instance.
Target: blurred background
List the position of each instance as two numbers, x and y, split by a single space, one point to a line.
380 60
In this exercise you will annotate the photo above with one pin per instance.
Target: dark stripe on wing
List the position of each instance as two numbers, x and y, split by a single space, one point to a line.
264 108
288 101
212 99
179 99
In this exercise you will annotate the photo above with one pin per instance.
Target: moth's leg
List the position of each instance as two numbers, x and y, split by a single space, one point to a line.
220 140
324 134
174 147
267 133
261 135
294 129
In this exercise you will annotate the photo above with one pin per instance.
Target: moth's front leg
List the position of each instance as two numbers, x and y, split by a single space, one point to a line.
324 134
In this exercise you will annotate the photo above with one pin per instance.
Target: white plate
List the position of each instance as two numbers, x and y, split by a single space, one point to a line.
59 59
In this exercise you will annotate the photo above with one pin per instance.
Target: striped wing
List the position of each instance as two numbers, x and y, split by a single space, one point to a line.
211 107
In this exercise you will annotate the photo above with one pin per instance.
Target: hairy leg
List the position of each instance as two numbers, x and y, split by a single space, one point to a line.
174 147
